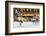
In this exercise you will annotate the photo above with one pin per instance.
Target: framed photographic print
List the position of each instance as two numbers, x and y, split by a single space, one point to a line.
24 17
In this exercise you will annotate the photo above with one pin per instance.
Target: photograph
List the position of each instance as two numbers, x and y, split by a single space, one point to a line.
26 17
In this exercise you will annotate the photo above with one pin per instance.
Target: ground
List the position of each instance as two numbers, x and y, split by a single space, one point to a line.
26 24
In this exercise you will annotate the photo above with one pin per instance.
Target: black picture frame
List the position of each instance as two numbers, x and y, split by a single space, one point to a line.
6 17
